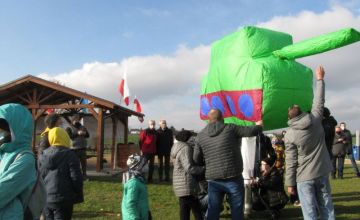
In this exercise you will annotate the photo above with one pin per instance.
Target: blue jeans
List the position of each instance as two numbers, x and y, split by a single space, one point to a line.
234 188
316 195
354 165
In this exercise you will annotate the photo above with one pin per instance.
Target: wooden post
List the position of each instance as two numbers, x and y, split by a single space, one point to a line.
33 111
113 146
126 129
100 141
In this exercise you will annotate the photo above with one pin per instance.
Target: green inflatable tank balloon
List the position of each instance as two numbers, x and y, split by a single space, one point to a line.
253 74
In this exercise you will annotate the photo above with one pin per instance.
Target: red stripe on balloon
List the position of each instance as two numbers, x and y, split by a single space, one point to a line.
244 104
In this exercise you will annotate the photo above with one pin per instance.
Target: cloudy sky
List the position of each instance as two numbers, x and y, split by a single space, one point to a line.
165 46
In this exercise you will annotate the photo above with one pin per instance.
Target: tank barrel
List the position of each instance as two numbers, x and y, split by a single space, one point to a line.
319 44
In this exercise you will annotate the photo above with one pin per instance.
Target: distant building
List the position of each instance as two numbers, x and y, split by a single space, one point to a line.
135 131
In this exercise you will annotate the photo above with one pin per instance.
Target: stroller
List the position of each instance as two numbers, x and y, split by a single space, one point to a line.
267 191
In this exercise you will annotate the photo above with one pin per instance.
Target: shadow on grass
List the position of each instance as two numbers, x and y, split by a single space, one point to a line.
90 215
289 212
347 209
106 179
346 197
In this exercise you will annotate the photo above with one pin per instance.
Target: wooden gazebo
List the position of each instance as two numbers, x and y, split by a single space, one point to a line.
39 95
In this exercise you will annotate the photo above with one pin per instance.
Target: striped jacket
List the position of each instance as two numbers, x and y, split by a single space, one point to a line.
184 183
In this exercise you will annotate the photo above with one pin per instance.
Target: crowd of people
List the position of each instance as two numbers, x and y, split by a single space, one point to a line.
204 170
301 158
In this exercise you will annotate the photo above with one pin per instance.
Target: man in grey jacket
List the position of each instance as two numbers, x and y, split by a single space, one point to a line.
218 146
308 163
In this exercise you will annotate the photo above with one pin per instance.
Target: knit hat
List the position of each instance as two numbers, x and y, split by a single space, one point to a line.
136 162
51 119
183 135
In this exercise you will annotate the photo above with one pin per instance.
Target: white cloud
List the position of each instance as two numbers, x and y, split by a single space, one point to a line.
168 86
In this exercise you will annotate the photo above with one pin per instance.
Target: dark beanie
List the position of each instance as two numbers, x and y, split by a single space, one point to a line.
183 135
4 125
51 119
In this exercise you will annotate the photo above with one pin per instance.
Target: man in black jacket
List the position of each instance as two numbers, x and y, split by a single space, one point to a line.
329 123
349 148
218 144
164 142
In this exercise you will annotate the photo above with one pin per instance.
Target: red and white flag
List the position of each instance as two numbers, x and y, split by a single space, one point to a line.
137 105
124 89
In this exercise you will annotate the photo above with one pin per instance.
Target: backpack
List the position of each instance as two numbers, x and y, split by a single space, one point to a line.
37 200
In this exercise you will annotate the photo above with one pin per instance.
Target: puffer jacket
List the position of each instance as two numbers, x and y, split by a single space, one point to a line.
184 182
60 169
17 173
135 205
306 154
218 144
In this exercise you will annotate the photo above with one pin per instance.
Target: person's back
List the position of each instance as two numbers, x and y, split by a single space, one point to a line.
307 159
185 172
17 168
134 204
219 144
135 188
60 169
307 133
218 147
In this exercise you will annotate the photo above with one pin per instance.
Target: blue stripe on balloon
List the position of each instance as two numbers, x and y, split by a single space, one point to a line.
204 106
217 103
231 105
246 105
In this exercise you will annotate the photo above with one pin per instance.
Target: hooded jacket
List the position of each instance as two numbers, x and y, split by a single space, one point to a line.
17 173
60 169
218 145
134 204
184 183
306 155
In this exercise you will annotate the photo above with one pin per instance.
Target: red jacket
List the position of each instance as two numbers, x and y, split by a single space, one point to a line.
148 141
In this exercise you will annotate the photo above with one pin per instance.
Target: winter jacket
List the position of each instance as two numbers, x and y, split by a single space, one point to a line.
147 141
339 146
60 169
329 125
78 141
164 141
184 183
306 155
17 173
135 205
218 144
271 189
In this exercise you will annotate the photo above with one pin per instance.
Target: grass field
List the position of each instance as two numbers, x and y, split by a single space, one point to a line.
103 198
